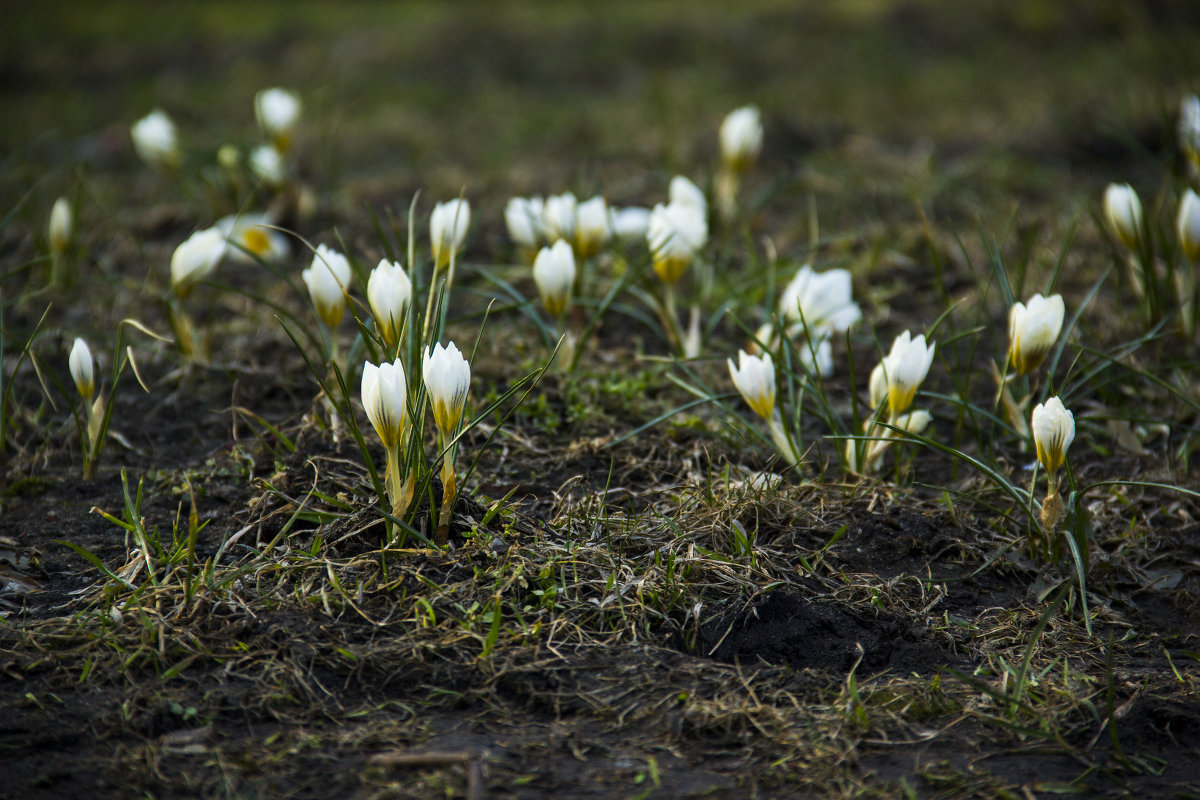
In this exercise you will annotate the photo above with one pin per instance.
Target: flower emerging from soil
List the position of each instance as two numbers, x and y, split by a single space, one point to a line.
905 367
196 259
385 399
251 239
82 368
1188 225
448 379
155 140
61 226
448 229
741 138
328 279
1053 431
591 226
277 111
675 233
389 291
554 274
754 377
1123 211
523 217
1033 329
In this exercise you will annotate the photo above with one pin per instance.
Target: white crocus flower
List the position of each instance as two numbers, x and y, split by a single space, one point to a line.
675 234
1123 211
591 226
558 217
385 399
277 111
1188 225
196 259
754 377
683 192
629 224
155 141
448 229
877 386
905 367
1033 329
252 238
389 292
267 163
82 368
1053 431
1189 128
741 138
554 274
523 217
447 379
819 300
61 226
328 279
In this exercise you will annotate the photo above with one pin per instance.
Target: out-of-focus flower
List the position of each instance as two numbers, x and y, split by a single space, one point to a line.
82 368
385 399
1053 431
683 192
819 300
1189 128
229 157
523 216
196 259
389 292
741 138
328 280
447 379
905 367
277 111
251 238
61 226
155 141
629 224
1033 329
558 217
591 226
448 229
1188 225
675 234
1123 210
754 377
267 163
554 274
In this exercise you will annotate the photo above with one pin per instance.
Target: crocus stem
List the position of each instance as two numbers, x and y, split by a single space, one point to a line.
394 484
726 190
671 318
449 492
181 326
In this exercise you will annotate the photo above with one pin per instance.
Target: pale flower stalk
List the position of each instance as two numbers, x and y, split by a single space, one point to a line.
447 380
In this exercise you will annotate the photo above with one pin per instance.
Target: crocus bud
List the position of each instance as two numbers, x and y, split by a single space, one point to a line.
385 399
629 224
685 193
523 217
905 368
277 111
591 226
251 238
754 377
447 379
61 226
196 259
267 163
389 292
1123 211
558 217
155 141
877 386
82 369
1189 128
1188 225
328 279
554 274
675 233
1053 431
448 229
741 138
1032 331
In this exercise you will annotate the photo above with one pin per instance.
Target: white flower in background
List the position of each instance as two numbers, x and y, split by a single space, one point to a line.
251 238
629 224
277 111
554 274
754 377
821 301
741 138
1123 211
82 368
558 217
155 141
591 226
447 379
61 226
685 193
389 292
1053 431
267 163
905 367
1188 225
448 229
1189 127
385 399
523 217
328 280
675 234
1033 329
196 259
229 157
